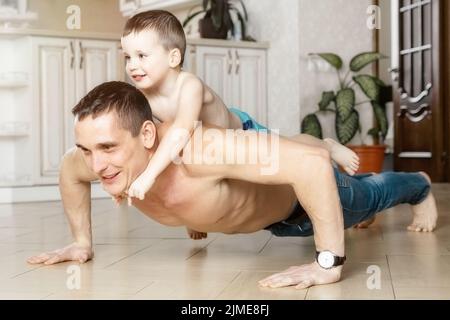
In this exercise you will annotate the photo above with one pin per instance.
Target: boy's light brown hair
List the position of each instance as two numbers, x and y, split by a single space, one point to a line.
165 24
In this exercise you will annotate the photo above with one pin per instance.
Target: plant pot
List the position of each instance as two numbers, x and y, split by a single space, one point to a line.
207 29
371 158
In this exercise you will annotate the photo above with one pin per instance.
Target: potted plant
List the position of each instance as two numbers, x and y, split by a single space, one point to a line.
343 104
217 21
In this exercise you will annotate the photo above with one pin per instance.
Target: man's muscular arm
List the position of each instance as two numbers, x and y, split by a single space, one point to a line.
75 189
308 170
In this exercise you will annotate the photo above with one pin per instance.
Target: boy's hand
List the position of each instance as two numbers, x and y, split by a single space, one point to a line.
140 187
73 252
118 199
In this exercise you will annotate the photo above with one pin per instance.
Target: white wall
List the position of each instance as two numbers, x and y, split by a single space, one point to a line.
385 40
337 26
96 15
278 24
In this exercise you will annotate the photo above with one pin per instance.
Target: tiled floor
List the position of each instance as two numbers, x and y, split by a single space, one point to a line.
136 258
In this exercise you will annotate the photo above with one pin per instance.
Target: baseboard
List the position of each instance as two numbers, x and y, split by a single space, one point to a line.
42 193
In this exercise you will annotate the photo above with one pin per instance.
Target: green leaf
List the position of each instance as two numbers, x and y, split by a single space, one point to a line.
381 117
217 21
346 130
311 126
373 132
244 9
327 98
369 86
189 18
379 82
241 21
218 12
364 59
331 58
345 103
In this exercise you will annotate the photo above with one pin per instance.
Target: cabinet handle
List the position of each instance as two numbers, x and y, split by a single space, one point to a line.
238 62
81 55
230 62
72 57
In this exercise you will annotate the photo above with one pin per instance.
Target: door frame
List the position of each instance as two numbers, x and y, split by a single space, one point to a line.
439 145
446 83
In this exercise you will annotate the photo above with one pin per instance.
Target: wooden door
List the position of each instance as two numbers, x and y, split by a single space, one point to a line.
419 111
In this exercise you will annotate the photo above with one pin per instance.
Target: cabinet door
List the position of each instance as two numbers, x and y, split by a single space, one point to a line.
214 66
249 82
96 63
55 88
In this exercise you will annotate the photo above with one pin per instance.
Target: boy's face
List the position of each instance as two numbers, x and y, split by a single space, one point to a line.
147 61
111 151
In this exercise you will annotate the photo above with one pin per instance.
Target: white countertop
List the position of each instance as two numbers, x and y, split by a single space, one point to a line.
227 43
13 33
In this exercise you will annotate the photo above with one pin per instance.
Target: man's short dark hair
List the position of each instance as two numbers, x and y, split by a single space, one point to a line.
130 105
166 25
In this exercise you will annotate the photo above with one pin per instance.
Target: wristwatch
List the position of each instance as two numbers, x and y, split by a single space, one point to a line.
327 259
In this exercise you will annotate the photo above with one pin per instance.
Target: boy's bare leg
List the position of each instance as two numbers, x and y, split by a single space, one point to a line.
342 155
425 213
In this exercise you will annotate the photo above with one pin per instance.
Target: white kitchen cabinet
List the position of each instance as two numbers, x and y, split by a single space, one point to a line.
237 75
65 70
54 79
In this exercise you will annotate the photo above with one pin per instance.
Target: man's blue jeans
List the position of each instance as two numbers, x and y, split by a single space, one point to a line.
362 196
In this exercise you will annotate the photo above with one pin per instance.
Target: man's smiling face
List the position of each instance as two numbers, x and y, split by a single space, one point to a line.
111 151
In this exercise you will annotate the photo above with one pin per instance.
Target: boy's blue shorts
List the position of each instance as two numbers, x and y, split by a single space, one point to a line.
248 123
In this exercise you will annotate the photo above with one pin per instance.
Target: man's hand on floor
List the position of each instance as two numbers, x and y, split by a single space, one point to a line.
73 252
302 277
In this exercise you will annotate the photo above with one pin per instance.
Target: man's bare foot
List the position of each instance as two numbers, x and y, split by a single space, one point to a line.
195 235
343 156
364 224
425 213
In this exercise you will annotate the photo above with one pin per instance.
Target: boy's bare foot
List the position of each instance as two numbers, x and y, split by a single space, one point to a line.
425 213
195 235
364 224
343 156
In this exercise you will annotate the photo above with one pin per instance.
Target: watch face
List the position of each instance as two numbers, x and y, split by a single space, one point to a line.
325 259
